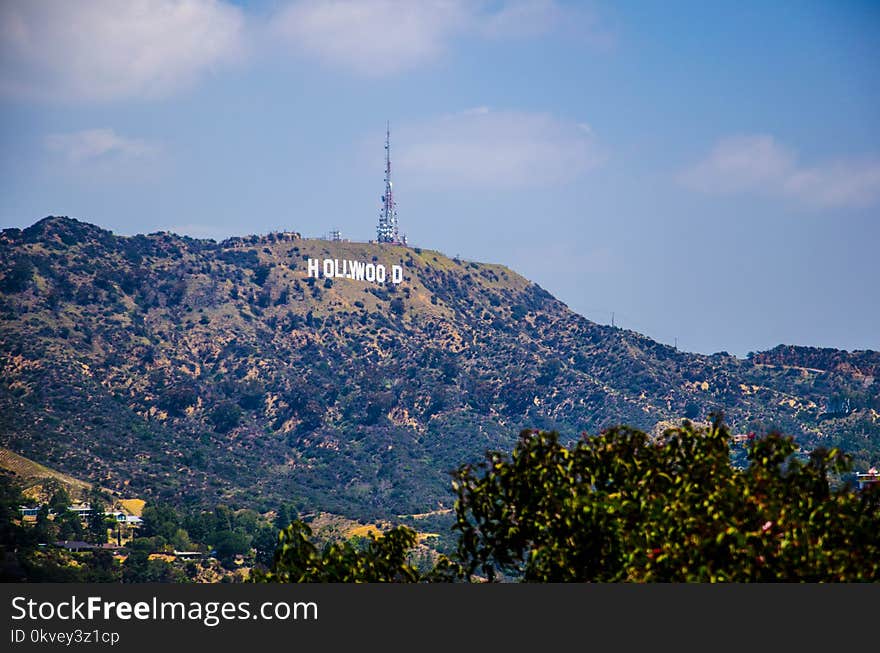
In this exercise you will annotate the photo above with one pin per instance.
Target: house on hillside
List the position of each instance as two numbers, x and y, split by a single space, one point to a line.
871 477
122 518
82 510
75 546
742 438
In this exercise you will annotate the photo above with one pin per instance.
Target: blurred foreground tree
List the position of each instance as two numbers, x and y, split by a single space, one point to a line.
623 507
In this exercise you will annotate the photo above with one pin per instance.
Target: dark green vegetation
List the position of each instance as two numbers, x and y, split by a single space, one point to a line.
218 541
194 373
623 507
374 560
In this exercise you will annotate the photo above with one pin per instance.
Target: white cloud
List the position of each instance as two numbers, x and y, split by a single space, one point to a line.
494 149
521 18
98 50
377 38
759 164
841 183
741 163
91 145
373 37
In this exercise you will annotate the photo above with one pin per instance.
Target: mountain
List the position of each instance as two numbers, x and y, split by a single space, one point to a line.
198 372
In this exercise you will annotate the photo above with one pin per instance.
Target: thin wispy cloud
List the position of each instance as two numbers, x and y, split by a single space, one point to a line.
91 145
520 18
495 150
104 50
532 18
372 37
378 38
759 164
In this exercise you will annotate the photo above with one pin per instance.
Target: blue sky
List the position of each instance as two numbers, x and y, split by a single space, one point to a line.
707 171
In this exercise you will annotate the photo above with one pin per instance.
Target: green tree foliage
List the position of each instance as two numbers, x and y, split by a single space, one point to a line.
60 500
176 400
622 507
43 529
12 535
181 541
159 519
261 273
228 544
225 417
69 526
21 559
103 568
285 514
97 522
264 544
372 560
252 395
19 276
138 568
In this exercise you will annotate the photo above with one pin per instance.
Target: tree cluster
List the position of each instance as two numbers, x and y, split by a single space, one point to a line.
623 507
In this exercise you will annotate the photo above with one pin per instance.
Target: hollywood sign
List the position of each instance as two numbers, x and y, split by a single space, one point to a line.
333 268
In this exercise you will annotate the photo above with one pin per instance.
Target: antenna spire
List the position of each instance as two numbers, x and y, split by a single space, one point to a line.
387 229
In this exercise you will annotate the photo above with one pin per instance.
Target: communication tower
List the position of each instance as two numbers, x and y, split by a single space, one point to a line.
387 229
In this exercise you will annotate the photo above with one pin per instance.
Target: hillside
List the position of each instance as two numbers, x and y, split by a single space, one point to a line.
32 476
203 372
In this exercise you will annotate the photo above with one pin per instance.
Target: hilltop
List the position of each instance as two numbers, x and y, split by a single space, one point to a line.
199 371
